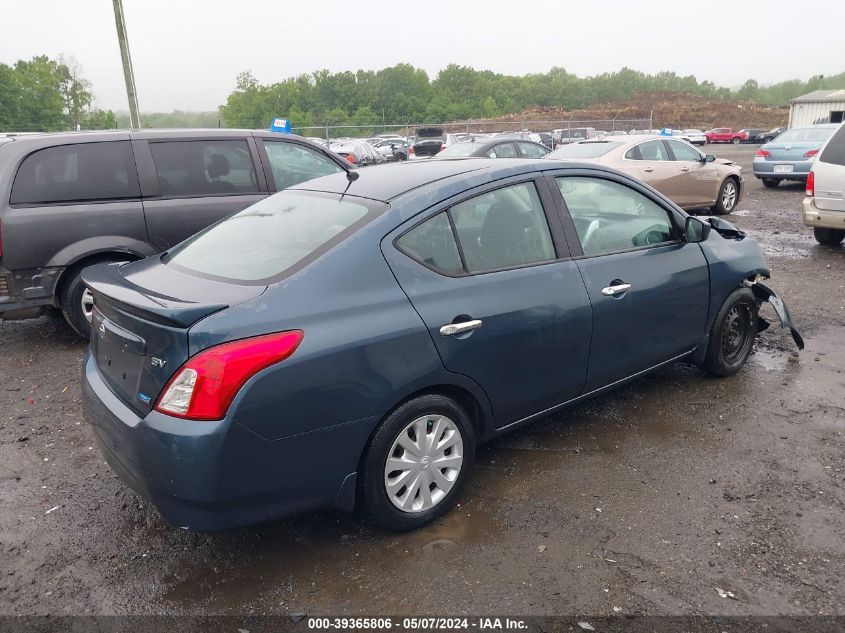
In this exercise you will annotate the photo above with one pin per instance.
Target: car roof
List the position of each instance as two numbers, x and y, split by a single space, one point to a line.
388 182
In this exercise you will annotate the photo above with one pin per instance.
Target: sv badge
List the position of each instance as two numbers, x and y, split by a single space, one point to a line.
158 362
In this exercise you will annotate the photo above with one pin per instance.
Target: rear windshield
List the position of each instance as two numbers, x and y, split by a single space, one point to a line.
584 150
274 237
806 135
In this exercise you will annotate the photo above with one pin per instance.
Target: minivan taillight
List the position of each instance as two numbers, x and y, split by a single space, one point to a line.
204 387
763 153
810 190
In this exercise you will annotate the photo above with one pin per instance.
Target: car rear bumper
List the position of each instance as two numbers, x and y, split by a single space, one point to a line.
822 218
766 169
211 476
23 293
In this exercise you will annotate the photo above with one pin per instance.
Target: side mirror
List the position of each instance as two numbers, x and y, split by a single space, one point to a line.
709 158
696 231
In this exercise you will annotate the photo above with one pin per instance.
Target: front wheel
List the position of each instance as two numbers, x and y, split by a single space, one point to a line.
735 141
417 463
829 237
732 335
727 198
771 183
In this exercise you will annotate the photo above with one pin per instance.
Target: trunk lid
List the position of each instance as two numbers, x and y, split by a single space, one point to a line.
429 141
139 336
790 151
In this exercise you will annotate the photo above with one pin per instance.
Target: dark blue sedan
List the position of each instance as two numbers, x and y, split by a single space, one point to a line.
350 341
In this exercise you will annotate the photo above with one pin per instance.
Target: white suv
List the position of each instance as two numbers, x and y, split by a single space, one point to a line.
824 206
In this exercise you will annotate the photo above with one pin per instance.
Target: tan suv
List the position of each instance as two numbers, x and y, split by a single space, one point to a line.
824 206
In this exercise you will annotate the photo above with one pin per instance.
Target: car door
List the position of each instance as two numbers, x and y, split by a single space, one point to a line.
696 182
491 278
649 288
649 161
189 184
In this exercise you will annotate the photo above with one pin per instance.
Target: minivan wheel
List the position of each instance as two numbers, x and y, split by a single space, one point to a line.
77 304
829 237
727 198
771 183
732 335
417 462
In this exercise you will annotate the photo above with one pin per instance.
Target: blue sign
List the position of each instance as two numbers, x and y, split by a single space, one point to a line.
280 125
665 131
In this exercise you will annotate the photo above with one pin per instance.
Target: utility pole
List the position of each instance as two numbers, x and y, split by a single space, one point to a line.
128 74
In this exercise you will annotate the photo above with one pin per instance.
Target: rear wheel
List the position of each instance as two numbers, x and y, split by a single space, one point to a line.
735 140
732 335
77 302
771 183
417 463
727 198
829 237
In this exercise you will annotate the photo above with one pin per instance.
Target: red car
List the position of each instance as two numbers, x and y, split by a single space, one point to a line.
725 135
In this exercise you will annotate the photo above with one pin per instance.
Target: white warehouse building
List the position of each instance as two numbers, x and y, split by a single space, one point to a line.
819 106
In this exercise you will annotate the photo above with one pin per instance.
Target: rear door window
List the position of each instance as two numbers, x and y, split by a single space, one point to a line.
433 244
650 150
504 150
292 163
530 150
204 168
77 172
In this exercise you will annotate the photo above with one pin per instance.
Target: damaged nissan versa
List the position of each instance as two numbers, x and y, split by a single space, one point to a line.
350 341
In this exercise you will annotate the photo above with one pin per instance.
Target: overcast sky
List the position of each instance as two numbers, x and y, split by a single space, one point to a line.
187 53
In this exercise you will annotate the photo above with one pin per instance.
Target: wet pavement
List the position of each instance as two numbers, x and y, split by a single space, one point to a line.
647 499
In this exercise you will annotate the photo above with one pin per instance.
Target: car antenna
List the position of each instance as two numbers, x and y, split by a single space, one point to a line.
351 176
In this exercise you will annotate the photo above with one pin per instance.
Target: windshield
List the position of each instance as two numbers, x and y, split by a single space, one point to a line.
274 236
459 149
806 135
584 150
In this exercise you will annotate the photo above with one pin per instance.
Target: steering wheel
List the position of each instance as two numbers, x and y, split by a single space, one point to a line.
588 234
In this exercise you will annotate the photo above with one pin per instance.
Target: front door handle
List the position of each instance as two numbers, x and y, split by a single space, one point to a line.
648 169
450 329
618 289
684 169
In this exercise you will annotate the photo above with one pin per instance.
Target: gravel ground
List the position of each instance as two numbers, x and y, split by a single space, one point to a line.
652 500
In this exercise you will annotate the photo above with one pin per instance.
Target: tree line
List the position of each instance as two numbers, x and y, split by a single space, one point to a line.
403 93
46 95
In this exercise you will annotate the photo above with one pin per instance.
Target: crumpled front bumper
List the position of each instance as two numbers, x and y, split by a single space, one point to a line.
764 293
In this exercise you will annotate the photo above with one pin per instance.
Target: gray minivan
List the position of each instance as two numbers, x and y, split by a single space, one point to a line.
68 200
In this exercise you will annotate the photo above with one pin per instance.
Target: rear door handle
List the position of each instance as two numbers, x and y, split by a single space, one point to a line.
684 169
618 289
450 329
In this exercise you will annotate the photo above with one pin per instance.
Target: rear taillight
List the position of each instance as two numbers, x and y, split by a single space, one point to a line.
762 153
351 158
410 150
810 191
442 147
204 387
810 153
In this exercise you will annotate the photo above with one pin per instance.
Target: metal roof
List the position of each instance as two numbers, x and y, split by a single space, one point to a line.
820 96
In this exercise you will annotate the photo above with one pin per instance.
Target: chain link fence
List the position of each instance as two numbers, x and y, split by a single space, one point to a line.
331 133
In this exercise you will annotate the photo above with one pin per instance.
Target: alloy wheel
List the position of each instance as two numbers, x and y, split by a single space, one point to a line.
87 305
728 195
424 463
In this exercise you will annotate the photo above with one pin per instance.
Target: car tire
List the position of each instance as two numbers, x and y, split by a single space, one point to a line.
728 197
75 301
438 415
732 335
829 237
771 183
735 141
73 296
